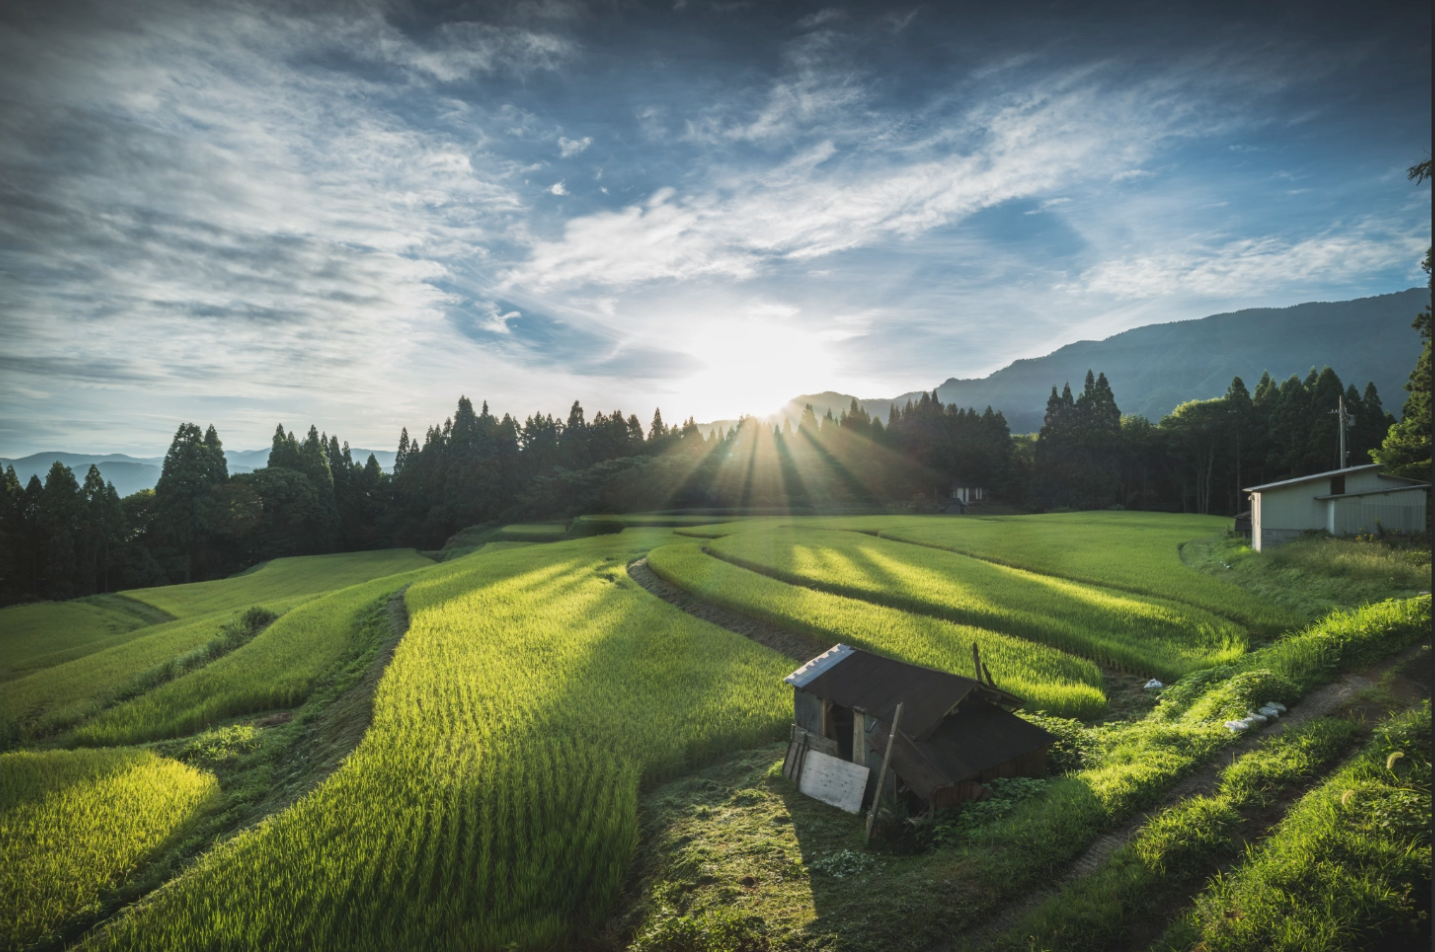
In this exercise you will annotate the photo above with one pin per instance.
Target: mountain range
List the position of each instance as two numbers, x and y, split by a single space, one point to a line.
1154 368
1151 369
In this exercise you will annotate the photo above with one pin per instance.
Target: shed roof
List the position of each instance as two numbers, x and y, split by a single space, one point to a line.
1312 477
1380 492
875 685
973 740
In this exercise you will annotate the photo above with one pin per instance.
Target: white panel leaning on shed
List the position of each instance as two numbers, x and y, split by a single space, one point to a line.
1341 501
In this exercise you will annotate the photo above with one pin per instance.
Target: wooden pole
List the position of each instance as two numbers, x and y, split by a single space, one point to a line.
977 661
882 774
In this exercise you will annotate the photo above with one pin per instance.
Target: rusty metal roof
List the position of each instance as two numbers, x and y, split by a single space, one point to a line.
876 685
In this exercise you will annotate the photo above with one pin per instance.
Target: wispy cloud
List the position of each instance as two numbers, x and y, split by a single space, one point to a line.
824 199
1247 266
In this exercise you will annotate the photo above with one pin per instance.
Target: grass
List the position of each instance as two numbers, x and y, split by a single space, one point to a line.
707 834
537 532
277 669
61 696
1117 629
1178 847
1048 679
43 634
285 581
1134 551
1317 573
1348 868
76 823
494 798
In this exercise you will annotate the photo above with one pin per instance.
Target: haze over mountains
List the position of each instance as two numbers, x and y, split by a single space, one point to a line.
1154 368
131 474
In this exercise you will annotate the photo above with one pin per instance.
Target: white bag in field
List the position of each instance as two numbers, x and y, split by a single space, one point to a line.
1153 685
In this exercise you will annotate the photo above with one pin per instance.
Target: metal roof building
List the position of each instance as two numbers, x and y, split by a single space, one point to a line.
955 733
1345 501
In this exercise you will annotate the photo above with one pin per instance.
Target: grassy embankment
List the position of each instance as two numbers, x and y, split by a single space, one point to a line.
1347 869
1049 679
1317 574
1128 632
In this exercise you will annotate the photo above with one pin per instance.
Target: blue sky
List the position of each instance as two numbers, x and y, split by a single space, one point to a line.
350 214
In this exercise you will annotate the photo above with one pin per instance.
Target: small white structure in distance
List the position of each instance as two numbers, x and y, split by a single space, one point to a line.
967 495
1341 501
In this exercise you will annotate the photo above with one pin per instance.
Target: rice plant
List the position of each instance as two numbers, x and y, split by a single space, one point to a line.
1134 551
1119 629
65 694
493 800
75 823
1050 680
287 581
276 669
44 634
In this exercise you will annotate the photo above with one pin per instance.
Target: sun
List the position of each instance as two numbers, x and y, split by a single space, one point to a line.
753 366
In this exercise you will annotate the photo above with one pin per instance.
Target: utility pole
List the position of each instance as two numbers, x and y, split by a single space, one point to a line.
1345 421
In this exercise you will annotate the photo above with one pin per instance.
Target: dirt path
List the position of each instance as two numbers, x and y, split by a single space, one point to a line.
1321 702
799 647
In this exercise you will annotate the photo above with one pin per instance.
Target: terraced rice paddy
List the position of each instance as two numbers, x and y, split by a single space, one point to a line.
275 670
1050 680
281 582
63 695
493 801
1114 628
1139 552
73 823
42 635
494 798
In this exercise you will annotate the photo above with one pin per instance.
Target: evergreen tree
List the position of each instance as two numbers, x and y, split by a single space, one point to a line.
192 468
1406 449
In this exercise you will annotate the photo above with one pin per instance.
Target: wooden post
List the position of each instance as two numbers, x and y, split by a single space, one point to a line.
882 774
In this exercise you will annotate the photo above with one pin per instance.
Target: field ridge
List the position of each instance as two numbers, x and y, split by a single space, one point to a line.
794 644
1319 702
322 739
1082 580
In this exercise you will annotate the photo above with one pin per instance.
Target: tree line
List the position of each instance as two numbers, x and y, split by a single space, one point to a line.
64 538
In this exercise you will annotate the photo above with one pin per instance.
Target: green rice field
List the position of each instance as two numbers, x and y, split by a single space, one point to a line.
42 635
73 823
281 581
494 796
1115 628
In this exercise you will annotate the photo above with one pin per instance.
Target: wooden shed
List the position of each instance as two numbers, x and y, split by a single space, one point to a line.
955 733
1345 501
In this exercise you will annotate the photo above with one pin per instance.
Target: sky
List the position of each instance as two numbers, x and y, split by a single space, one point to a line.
350 214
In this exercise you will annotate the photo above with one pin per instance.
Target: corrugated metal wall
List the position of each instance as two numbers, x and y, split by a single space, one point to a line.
1398 512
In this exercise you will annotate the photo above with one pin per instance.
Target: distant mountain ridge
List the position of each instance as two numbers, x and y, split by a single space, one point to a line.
1154 368
131 474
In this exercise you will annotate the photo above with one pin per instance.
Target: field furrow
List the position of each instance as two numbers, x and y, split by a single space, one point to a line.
1113 628
1050 680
